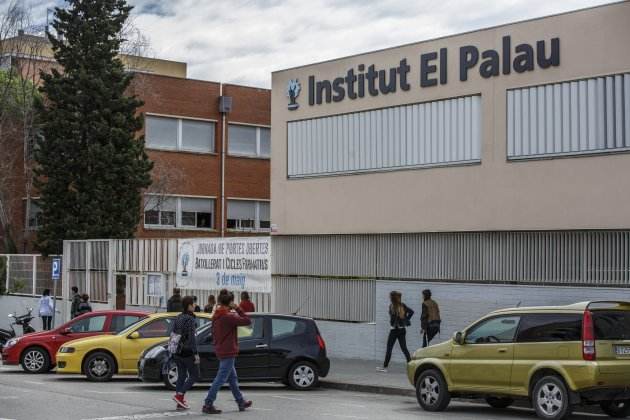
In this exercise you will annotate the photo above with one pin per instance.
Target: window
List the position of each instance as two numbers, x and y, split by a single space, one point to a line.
569 118
91 324
245 140
248 215
544 328
495 330
178 212
154 329
282 328
120 322
612 325
179 134
34 215
253 331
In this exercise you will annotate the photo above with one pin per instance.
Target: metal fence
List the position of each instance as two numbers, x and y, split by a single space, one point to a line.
27 274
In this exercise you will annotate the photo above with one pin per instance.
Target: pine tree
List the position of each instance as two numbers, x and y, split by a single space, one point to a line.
92 167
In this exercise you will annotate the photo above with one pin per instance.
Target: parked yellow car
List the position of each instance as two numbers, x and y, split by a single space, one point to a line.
98 358
557 357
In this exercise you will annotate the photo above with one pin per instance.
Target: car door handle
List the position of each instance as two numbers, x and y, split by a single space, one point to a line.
502 350
261 346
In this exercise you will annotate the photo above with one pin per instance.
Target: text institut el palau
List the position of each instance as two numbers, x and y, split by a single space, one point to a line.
369 80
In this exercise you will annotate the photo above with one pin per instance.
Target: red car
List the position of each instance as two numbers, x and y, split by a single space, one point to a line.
36 352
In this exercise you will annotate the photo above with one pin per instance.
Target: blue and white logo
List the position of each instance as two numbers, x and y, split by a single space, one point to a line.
293 91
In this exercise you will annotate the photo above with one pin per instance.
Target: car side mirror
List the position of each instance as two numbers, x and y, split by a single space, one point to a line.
459 338
134 335
66 330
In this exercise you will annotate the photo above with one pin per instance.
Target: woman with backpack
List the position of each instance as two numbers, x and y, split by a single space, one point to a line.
183 348
399 319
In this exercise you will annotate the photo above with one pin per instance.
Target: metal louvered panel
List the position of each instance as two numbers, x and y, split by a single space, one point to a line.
334 255
426 134
146 255
325 298
585 116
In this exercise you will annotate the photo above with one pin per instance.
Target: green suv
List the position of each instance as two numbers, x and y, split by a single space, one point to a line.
555 357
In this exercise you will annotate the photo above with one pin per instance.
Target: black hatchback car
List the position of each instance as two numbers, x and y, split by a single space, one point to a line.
274 347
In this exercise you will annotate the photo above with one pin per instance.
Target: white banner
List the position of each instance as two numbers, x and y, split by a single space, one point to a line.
225 263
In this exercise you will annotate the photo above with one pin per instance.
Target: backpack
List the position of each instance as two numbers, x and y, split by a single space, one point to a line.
175 344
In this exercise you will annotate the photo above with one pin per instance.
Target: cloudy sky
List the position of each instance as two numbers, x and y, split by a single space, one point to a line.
243 41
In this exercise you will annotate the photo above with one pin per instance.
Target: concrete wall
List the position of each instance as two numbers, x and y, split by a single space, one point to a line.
495 195
19 304
460 304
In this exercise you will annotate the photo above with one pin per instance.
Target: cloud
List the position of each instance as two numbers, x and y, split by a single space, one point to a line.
243 41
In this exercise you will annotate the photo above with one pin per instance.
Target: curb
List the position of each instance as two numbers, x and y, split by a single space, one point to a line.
373 389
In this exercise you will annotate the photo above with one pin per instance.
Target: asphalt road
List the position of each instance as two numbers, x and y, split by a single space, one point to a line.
52 397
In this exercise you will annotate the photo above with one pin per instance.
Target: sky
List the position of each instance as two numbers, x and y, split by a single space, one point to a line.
243 41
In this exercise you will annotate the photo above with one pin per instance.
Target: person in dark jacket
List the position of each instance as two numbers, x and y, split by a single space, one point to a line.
210 306
399 319
197 308
76 301
187 360
246 304
225 321
429 319
84 306
174 303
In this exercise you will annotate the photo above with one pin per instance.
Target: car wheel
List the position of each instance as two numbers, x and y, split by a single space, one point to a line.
497 402
35 360
170 377
303 376
551 398
617 409
99 367
432 391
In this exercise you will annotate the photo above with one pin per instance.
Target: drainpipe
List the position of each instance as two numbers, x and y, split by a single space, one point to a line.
223 113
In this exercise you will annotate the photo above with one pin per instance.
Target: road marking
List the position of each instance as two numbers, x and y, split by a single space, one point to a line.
341 416
6 419
147 416
259 409
114 392
33 382
287 398
351 405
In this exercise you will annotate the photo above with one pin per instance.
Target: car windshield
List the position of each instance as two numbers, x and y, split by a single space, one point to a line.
131 326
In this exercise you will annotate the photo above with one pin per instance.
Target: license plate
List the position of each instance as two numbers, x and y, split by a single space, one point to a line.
622 350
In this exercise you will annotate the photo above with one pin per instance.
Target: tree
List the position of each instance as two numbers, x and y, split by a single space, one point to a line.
91 167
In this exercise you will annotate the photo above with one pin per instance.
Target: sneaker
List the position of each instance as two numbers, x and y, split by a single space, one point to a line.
210 409
381 369
242 406
181 402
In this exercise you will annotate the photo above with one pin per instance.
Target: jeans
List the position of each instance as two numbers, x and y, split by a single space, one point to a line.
46 322
430 332
226 373
399 334
186 373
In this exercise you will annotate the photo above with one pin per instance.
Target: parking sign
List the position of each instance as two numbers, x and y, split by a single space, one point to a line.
56 268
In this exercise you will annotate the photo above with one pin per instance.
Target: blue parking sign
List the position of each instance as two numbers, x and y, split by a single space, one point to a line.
56 268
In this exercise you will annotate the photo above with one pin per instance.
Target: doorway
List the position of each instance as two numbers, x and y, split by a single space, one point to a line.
121 288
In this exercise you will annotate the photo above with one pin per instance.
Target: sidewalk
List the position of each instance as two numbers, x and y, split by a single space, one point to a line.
362 376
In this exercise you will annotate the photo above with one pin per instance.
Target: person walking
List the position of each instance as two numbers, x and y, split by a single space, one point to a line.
76 300
46 310
246 304
210 305
197 308
227 317
185 353
399 319
84 306
174 303
429 319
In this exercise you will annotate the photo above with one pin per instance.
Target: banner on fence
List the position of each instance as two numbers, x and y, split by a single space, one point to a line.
231 263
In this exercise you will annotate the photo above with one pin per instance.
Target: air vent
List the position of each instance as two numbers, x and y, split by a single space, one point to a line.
225 104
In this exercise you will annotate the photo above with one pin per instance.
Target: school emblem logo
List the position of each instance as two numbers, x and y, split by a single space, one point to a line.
293 91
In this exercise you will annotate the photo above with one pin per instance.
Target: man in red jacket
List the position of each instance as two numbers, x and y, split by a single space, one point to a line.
227 317
246 304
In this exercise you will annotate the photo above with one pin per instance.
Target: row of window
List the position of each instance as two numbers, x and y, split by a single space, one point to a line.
198 213
183 134
565 118
530 328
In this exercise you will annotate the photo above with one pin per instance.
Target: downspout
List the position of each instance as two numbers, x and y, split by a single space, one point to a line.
222 166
